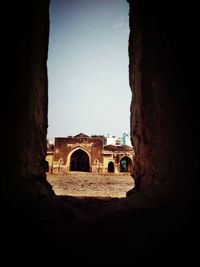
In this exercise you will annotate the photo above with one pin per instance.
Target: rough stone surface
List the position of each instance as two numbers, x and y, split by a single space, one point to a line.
158 52
25 119
41 229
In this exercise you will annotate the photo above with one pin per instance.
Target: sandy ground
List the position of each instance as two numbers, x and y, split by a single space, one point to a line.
91 185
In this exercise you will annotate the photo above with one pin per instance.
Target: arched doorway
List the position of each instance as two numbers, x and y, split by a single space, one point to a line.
111 166
79 161
125 164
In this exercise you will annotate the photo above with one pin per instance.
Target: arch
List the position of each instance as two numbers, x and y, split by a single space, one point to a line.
67 166
111 167
125 164
79 161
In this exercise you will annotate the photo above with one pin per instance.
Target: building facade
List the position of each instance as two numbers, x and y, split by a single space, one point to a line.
83 153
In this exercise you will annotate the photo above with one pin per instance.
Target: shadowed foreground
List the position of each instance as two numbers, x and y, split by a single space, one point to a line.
40 229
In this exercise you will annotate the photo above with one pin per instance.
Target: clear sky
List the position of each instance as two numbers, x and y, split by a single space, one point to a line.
88 68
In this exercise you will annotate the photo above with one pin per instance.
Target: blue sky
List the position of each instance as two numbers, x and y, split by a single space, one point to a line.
88 68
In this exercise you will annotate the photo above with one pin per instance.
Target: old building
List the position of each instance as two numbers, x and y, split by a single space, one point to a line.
156 225
85 153
118 159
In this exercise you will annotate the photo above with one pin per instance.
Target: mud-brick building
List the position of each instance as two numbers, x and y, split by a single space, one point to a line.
85 153
77 153
118 158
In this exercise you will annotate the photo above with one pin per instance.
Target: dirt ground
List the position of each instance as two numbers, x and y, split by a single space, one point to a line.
84 184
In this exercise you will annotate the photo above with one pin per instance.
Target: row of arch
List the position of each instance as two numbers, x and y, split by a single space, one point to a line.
79 161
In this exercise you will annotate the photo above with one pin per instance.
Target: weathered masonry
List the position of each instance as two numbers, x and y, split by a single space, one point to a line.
89 154
159 224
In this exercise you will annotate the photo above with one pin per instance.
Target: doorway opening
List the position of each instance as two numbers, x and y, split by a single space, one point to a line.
79 161
88 82
111 166
125 164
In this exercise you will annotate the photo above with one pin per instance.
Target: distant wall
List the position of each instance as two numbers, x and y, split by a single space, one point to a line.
65 146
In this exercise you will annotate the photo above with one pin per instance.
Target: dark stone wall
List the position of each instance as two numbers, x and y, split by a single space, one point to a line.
24 115
45 229
162 78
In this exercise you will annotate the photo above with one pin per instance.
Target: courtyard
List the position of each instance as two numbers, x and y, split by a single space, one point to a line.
85 184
